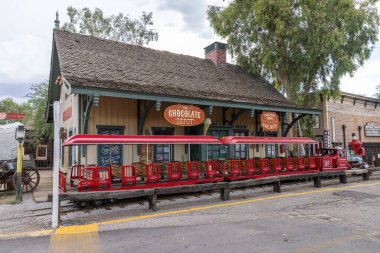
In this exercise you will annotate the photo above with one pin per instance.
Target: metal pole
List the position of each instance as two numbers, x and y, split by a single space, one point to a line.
169 153
189 150
19 172
207 152
55 211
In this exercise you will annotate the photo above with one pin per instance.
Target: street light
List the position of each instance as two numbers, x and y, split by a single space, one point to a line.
20 136
20 133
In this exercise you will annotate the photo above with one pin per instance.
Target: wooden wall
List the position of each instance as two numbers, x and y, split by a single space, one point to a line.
123 112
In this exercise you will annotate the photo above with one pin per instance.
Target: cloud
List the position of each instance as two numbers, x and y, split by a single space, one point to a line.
14 89
22 60
193 13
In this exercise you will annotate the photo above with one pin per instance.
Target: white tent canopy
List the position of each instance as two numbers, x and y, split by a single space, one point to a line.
8 143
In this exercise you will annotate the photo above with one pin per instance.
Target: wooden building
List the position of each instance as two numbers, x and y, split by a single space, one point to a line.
110 87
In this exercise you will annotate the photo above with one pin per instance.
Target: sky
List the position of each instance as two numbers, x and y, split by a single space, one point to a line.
26 38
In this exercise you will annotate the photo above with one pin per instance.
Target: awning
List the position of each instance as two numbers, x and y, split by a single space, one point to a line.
94 139
266 140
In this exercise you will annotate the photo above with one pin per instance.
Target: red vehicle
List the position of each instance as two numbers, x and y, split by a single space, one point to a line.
173 173
96 178
271 166
332 159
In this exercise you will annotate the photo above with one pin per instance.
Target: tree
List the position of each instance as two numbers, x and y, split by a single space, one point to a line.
377 94
37 99
9 105
300 46
119 28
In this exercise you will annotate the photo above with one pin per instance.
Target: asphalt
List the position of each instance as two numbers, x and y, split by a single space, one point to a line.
336 218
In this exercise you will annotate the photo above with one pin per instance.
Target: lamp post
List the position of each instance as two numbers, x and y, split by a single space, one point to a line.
20 136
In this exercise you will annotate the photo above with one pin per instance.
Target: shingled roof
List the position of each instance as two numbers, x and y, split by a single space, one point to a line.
91 62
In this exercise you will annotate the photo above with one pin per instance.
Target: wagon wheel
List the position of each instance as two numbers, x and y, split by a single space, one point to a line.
29 180
5 183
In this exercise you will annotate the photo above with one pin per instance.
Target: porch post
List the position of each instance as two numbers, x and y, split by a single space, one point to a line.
55 211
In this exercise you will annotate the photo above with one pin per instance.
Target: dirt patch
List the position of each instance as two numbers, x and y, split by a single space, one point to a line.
7 198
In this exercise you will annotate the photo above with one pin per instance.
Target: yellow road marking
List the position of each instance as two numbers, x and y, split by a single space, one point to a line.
75 239
188 210
71 230
27 234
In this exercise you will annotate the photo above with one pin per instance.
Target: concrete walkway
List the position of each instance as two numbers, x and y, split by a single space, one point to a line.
45 187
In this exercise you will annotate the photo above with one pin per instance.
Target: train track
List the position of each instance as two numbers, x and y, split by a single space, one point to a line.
69 208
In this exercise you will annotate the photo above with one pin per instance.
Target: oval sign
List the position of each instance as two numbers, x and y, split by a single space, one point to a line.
269 121
184 115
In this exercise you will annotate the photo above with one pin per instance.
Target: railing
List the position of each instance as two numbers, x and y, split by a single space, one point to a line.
62 182
193 169
174 171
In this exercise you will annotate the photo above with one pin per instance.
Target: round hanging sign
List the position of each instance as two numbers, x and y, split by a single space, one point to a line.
184 115
269 121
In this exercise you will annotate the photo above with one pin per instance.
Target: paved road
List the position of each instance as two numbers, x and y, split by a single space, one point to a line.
337 218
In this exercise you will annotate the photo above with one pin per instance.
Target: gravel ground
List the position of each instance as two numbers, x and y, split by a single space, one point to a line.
26 216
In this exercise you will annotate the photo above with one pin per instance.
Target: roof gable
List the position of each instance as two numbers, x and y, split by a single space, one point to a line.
91 62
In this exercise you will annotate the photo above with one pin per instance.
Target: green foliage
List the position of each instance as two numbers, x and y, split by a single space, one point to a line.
301 45
37 99
119 28
9 105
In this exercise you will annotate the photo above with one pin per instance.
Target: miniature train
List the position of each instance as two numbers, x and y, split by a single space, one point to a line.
152 175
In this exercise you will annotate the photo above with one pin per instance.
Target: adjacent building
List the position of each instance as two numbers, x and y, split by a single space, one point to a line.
349 115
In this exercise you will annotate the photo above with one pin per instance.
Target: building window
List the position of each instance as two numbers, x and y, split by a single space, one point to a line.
217 151
163 153
316 121
241 149
271 150
333 129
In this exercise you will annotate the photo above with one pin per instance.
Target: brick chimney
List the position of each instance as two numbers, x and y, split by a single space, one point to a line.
216 52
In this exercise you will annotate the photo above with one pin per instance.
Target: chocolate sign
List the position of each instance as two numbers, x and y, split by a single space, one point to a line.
184 115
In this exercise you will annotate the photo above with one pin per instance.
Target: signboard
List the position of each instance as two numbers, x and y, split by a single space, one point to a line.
372 130
270 121
11 115
67 113
326 139
110 154
146 156
184 115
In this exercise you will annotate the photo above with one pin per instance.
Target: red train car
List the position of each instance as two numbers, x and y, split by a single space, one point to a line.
174 173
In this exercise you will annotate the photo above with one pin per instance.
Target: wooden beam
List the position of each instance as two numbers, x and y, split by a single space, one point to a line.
235 116
188 100
142 118
292 123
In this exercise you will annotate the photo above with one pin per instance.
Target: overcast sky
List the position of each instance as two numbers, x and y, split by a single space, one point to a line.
182 25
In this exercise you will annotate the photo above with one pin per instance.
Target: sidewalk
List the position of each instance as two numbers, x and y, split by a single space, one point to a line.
45 187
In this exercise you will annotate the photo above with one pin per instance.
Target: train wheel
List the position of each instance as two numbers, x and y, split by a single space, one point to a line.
30 178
